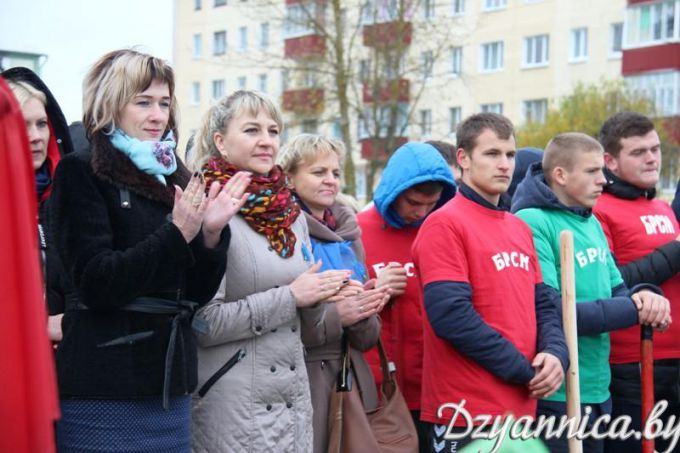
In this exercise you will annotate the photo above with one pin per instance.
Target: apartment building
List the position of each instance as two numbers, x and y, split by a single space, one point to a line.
459 57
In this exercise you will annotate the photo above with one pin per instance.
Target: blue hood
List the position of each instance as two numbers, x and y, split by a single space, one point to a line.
411 164
534 192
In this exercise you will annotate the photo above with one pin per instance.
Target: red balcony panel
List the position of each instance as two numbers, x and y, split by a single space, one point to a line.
306 100
390 90
388 34
309 46
654 58
369 147
633 2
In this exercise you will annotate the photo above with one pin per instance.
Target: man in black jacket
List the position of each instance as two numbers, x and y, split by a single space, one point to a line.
642 232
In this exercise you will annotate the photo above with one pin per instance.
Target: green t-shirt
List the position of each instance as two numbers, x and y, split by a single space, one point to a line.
595 274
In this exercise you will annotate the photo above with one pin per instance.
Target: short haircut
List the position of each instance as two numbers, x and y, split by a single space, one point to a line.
306 148
473 126
623 125
114 80
428 187
218 117
447 150
24 91
564 149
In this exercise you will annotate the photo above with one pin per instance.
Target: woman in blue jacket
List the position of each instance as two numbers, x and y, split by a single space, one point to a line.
313 164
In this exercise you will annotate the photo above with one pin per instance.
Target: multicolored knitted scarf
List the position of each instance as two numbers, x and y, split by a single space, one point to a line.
270 209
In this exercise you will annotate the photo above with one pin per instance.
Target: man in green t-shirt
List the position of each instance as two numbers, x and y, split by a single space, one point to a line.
559 195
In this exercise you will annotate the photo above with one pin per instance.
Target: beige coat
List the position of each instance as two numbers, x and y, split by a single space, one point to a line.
324 346
263 402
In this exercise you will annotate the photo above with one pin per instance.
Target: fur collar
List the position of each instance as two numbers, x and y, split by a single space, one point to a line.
116 168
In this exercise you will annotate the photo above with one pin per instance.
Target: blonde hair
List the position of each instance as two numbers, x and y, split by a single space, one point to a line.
24 91
114 80
564 149
218 117
307 148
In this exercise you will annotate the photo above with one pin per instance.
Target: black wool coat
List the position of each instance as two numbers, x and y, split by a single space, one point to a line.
115 254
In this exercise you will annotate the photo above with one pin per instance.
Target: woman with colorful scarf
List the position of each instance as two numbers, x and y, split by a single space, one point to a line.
49 139
253 389
313 165
144 247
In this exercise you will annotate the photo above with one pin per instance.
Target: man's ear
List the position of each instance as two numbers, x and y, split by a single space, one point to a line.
559 176
611 162
463 159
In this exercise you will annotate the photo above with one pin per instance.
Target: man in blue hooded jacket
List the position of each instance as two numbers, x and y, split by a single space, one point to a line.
416 181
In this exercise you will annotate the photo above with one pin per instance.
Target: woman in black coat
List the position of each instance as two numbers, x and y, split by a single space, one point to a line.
143 254
49 140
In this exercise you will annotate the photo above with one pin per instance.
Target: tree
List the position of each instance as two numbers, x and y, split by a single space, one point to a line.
589 106
360 53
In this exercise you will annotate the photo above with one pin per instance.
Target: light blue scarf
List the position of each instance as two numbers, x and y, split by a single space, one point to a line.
156 158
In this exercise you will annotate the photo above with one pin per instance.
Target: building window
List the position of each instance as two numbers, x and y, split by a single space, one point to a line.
534 111
427 62
458 7
425 122
536 51
285 79
220 3
455 116
491 5
651 22
219 42
309 79
264 35
615 39
242 38
456 61
374 11
196 93
661 88
196 46
197 5
579 44
492 108
310 127
262 82
217 89
369 125
428 9
242 82
299 20
360 181
492 56
364 70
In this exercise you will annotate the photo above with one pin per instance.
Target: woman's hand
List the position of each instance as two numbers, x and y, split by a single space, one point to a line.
189 207
223 205
54 328
313 286
362 305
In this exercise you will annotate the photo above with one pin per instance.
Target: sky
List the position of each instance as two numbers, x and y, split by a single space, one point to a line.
75 33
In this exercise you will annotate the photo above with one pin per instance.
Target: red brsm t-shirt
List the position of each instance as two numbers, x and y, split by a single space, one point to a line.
634 228
402 326
493 251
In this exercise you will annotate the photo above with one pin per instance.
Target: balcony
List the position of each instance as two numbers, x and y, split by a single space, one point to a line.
652 58
377 148
303 101
302 47
391 90
388 34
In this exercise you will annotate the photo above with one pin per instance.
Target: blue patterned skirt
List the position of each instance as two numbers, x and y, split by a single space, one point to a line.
128 426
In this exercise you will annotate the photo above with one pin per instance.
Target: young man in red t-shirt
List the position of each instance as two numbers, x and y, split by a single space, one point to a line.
492 334
643 235
416 181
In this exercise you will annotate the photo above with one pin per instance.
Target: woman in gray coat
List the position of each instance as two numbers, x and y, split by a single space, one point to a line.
253 389
313 164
